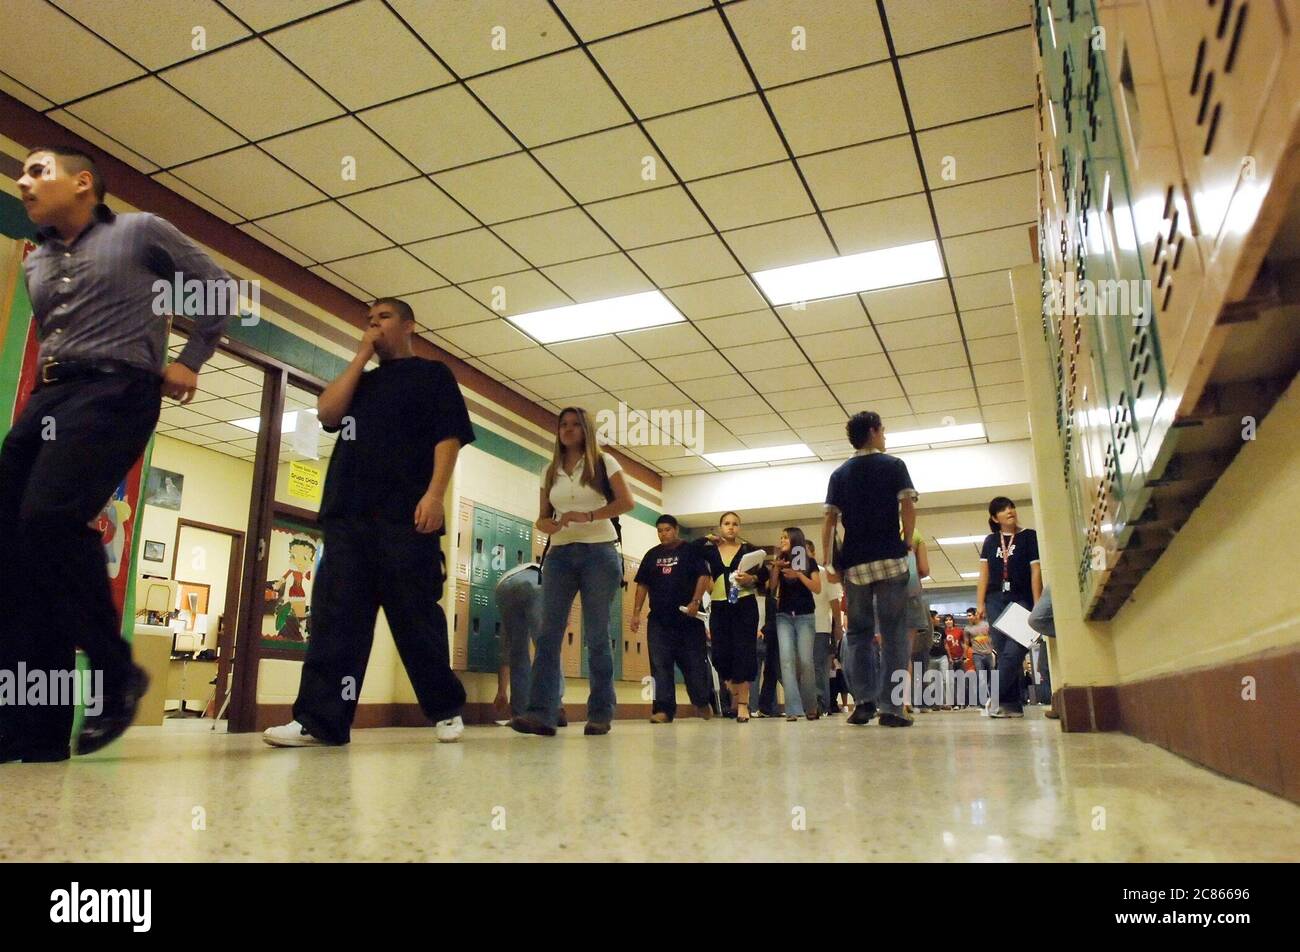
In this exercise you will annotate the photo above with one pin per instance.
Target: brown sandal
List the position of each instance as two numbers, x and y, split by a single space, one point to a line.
742 719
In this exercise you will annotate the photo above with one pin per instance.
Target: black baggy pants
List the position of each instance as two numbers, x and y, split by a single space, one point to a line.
62 461
680 644
366 566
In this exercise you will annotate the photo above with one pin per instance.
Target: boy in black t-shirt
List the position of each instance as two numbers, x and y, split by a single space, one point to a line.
403 424
675 576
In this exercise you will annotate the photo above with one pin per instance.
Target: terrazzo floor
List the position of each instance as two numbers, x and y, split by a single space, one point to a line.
956 786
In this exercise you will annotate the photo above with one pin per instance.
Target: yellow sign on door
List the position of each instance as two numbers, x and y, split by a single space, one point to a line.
304 481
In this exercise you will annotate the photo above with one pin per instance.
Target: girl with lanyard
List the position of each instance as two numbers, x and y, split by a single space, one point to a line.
796 579
733 612
582 491
1009 572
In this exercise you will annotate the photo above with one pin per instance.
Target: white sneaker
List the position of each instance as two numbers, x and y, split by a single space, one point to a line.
292 734
449 731
1003 712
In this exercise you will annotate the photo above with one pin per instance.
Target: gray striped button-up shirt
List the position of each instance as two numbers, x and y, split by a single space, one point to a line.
99 297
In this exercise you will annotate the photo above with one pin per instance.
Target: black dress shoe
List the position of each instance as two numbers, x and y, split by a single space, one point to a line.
526 725
895 720
100 731
862 714
561 720
596 728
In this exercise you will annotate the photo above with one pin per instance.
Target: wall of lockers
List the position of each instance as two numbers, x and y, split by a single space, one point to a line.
1162 125
488 544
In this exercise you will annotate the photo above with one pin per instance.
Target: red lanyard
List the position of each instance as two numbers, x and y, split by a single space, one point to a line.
1004 551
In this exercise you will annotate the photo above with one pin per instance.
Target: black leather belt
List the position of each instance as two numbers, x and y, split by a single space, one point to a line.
61 371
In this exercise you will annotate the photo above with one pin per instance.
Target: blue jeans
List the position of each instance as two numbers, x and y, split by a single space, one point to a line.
594 570
519 604
822 669
876 678
1011 655
795 634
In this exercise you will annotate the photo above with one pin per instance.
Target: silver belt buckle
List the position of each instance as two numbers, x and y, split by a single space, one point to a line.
45 371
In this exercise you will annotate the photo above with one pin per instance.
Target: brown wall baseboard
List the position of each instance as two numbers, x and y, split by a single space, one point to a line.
1239 718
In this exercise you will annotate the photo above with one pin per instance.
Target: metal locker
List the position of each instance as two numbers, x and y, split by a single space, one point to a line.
460 629
522 548
482 618
503 543
481 551
464 541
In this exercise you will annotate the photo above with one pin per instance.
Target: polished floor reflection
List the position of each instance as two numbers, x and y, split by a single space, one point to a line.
956 786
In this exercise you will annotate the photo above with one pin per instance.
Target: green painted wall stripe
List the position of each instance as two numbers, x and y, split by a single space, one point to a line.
14 222
11 354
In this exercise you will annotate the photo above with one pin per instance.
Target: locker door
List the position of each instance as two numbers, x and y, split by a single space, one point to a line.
464 541
482 615
481 554
503 540
522 549
460 628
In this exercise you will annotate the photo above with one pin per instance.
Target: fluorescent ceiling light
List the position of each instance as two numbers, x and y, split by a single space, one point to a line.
836 277
288 423
763 454
960 540
970 574
935 434
610 316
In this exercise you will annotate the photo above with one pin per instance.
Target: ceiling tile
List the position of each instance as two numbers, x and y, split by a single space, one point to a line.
1004 371
716 298
440 129
23 94
339 157
781 437
594 19
729 200
520 293
773 353
226 177
996 413
851 369
410 211
128 113
862 173
252 89
686 466
606 164
220 384
800 397
268 239
192 194
812 416
1007 430
983 290
686 262
322 271
675 65
656 396
33 40
489 337
446 307
792 377
820 317
919 359
504 188
221 409
669 341
729 387
980 148
915 26
690 366
487 34
667 214
847 343
990 350
747 328
595 279
468 255
263 15
780 243
556 97
715 139
832 36
920 332
183 416
885 224
219 431
989 250
134 28
566 235
938 381
828 113
760 423
1010 200
953 399
996 73
330 47
910 301
445 345
828 431
526 363
732 407
325 232
868 391
387 273
594 352
989 321
622 376
565 387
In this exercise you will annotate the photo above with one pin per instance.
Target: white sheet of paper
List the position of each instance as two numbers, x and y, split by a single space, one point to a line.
749 560
1014 622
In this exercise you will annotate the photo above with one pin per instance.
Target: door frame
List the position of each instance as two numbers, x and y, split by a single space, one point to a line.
231 612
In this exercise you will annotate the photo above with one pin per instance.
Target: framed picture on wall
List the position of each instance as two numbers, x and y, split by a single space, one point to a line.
293 560
163 488
154 551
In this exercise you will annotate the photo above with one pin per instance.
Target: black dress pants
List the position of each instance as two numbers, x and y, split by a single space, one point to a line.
64 458
368 565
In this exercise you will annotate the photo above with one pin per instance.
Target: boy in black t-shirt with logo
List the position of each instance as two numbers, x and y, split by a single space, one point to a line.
402 426
675 576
